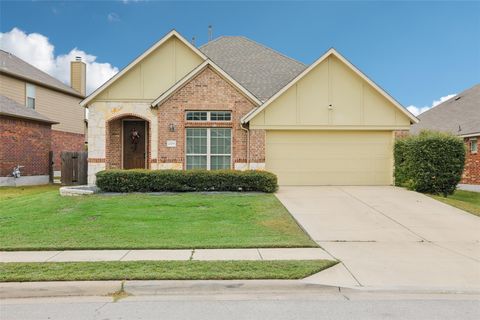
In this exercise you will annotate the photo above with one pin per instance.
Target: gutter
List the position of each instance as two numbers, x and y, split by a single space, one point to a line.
247 130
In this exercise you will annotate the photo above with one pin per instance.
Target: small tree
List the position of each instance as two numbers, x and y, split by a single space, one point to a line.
431 162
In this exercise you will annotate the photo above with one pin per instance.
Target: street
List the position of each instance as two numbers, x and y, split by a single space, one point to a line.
297 304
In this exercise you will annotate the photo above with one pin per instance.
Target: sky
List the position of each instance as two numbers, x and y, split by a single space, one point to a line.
419 52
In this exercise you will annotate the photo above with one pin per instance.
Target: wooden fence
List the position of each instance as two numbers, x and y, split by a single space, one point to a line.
74 168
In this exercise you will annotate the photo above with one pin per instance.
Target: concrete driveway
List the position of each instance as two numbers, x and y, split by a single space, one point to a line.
388 237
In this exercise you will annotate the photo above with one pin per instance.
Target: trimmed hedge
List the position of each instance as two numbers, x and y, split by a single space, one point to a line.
430 162
182 181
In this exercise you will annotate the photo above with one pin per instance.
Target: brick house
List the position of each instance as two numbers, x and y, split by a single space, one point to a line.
459 115
35 89
26 140
236 104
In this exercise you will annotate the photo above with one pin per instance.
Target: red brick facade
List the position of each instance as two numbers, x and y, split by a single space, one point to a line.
207 91
65 141
471 173
26 143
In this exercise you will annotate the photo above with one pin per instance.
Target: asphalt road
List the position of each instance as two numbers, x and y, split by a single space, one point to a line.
265 306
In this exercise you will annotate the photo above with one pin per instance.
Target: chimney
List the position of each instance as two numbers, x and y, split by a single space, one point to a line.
78 76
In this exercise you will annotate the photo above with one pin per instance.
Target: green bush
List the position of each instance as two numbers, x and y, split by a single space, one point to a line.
430 162
183 181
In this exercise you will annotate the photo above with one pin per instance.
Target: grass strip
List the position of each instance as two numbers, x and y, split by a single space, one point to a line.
161 270
465 200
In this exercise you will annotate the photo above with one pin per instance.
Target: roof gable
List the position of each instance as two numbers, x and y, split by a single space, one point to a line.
135 87
332 52
208 63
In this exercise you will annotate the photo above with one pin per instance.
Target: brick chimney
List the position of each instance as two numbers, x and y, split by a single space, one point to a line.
78 77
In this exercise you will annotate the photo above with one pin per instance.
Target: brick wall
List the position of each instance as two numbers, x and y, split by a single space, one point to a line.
65 141
471 173
25 143
207 91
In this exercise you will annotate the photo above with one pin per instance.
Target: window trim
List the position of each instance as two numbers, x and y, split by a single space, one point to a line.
209 153
34 88
471 143
209 115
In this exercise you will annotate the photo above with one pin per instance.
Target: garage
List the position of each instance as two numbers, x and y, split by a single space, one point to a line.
331 125
330 157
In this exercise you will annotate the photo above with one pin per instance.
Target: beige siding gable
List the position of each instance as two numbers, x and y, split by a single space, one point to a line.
154 74
330 95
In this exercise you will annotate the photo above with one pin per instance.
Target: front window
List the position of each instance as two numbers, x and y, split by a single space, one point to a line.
30 96
209 116
208 148
473 146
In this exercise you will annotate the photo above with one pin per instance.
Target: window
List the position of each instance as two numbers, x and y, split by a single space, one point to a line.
209 116
208 148
30 96
473 145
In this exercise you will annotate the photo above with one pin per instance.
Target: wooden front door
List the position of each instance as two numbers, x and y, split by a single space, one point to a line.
134 144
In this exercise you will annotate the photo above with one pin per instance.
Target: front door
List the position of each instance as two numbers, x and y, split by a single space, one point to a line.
133 144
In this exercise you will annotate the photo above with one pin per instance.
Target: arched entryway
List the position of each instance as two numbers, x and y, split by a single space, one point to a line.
127 143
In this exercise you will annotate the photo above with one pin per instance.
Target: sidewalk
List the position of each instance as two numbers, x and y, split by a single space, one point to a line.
158 255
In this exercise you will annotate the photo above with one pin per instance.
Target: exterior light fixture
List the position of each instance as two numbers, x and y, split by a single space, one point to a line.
171 127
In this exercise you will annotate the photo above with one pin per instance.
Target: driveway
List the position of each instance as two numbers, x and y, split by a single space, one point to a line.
388 237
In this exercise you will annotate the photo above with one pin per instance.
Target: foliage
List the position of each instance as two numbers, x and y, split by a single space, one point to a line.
430 162
183 181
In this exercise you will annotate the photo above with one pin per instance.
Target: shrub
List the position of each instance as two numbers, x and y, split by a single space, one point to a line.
182 181
431 162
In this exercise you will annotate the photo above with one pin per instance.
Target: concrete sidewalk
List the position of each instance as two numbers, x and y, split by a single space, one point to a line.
159 255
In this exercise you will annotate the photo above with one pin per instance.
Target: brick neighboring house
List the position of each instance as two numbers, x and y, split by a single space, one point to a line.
236 104
459 115
26 141
34 89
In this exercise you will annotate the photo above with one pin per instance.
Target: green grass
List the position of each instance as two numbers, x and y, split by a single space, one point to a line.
38 218
465 200
161 270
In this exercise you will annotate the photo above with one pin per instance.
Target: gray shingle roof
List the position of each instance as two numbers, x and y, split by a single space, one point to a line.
459 115
13 65
9 107
261 70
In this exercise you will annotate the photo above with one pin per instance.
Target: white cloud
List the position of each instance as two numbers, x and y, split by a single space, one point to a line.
37 50
113 17
418 110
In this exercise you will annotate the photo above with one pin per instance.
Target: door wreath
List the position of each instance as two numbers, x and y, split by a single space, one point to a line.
134 137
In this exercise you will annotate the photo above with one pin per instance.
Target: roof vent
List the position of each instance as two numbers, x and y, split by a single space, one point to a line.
459 127
210 33
78 58
457 98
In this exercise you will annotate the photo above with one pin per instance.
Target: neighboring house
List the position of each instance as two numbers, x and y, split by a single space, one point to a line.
26 140
236 104
34 89
459 115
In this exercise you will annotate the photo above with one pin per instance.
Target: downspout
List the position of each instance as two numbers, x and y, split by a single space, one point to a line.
247 130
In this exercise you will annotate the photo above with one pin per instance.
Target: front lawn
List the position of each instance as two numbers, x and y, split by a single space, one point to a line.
465 200
38 218
161 270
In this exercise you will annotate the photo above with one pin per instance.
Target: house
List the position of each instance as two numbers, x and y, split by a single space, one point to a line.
236 104
459 115
26 140
35 89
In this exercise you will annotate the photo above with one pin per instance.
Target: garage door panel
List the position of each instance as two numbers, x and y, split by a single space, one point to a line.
330 158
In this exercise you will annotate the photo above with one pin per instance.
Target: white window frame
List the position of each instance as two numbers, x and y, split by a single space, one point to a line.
209 115
208 154
471 145
34 90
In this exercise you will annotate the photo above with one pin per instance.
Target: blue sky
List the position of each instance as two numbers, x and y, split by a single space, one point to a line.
417 51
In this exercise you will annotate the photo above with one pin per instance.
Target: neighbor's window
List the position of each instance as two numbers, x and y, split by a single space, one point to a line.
208 148
209 116
473 146
30 95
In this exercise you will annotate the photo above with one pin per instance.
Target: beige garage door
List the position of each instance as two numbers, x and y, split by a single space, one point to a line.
330 157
